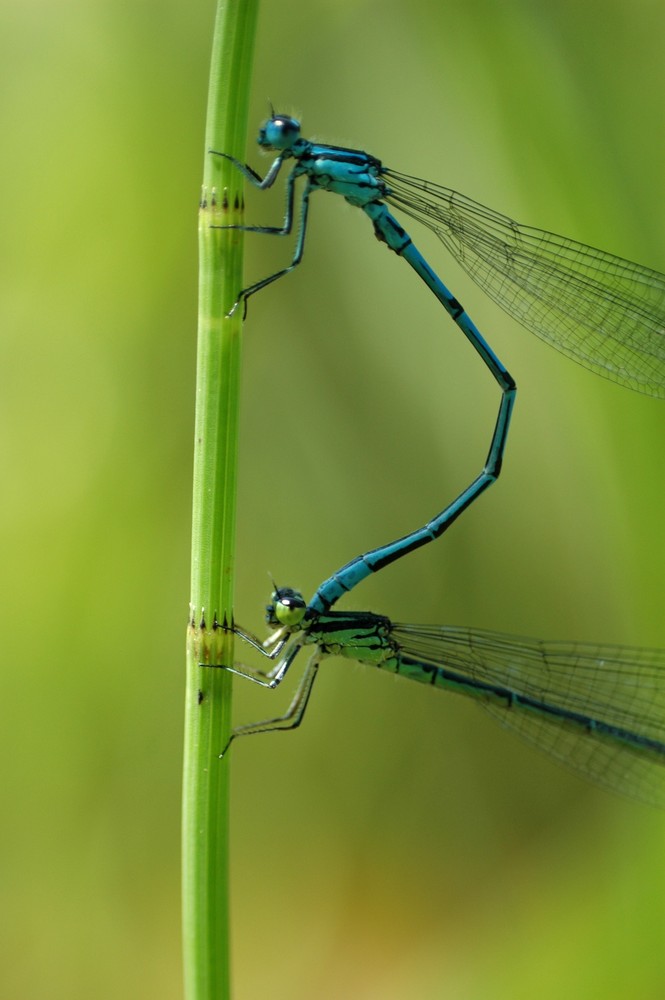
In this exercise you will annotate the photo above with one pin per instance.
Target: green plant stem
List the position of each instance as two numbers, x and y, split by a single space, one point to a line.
208 691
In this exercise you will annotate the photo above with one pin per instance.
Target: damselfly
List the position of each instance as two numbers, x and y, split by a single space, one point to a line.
604 312
599 709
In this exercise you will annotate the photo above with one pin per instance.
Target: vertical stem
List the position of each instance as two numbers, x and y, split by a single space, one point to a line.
208 692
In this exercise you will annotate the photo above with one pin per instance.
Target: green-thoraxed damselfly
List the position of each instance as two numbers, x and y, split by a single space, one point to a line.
599 709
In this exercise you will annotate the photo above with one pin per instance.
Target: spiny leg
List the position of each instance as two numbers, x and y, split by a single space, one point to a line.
295 712
284 230
297 255
274 677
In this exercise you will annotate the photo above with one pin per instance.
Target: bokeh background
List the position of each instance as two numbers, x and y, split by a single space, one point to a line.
400 844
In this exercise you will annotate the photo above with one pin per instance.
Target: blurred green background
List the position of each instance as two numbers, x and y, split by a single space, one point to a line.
400 844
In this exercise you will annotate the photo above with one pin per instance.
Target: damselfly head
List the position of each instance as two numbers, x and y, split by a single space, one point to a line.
287 607
279 132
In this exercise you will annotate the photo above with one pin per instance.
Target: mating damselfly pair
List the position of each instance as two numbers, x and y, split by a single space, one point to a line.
600 709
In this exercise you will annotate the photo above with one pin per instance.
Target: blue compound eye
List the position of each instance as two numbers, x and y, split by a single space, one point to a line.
279 132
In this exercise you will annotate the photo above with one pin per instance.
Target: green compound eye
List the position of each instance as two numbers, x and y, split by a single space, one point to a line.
287 607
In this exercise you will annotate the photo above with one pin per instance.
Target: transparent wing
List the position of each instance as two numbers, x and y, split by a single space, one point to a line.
604 312
622 688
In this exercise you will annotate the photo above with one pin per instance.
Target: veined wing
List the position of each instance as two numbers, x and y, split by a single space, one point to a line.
597 694
604 312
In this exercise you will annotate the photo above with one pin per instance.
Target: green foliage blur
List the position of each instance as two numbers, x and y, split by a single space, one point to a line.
399 844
